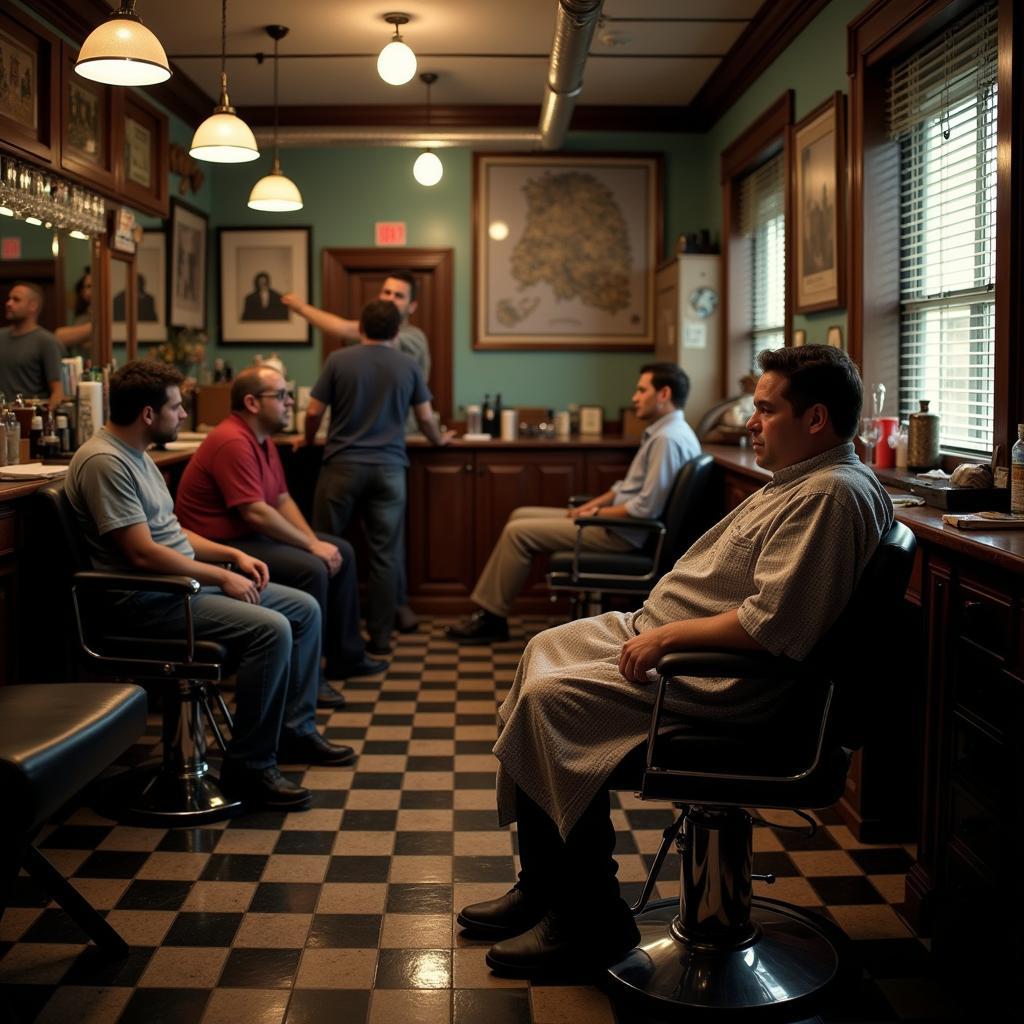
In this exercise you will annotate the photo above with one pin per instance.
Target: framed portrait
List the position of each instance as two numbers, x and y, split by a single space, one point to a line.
150 292
257 267
144 157
86 138
564 251
186 288
819 177
29 76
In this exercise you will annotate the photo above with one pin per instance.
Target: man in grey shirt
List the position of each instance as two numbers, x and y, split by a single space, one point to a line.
667 444
30 356
773 575
127 517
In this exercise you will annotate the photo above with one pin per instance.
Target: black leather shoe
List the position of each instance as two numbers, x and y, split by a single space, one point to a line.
262 787
379 650
313 749
328 697
561 943
480 628
365 666
511 914
406 620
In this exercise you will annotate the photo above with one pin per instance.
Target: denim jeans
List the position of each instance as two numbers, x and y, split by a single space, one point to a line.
276 646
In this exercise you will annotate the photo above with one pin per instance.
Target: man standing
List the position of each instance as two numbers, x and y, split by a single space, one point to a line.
773 575
370 388
126 514
30 356
233 491
399 287
667 444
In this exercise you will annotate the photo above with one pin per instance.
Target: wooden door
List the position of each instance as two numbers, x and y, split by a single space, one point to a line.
352 277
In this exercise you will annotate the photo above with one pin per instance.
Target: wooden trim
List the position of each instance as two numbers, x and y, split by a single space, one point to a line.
760 141
336 266
41 143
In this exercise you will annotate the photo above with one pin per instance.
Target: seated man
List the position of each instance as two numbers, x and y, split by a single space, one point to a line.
127 516
233 491
666 445
773 575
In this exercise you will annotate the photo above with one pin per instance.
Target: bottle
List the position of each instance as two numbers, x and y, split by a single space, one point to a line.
49 443
218 370
3 431
923 442
13 426
902 437
487 416
495 428
1017 473
63 434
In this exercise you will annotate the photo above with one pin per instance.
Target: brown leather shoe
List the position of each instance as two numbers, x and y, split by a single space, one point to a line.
480 628
511 914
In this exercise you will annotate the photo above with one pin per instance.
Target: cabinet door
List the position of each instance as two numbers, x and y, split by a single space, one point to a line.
440 524
604 467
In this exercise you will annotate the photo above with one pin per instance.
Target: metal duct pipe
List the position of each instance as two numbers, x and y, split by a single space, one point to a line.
574 29
414 138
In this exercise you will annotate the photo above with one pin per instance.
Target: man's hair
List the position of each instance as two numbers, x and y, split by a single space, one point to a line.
404 275
257 276
669 375
248 382
819 373
81 303
138 384
34 289
380 320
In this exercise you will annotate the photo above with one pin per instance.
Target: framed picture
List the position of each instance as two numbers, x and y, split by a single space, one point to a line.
835 337
257 267
29 75
143 165
591 419
565 249
87 136
186 289
150 292
819 175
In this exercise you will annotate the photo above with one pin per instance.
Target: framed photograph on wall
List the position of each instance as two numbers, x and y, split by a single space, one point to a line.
30 63
142 171
87 129
257 267
150 292
564 251
186 289
819 197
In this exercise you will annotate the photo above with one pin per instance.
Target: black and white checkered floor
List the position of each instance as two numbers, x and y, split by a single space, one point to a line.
344 913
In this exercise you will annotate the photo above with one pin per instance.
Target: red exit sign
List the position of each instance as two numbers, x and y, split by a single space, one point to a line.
389 232
10 249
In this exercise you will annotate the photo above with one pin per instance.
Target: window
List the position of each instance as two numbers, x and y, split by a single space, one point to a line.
942 112
763 222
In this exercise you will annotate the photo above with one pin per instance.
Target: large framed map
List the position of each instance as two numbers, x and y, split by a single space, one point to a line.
565 249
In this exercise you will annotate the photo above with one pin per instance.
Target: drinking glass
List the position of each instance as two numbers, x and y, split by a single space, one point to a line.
869 433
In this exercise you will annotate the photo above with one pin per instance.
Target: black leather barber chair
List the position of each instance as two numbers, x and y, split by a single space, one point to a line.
54 739
717 946
589 575
179 791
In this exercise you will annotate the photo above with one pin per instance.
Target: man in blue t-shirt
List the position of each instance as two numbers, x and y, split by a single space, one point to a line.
370 389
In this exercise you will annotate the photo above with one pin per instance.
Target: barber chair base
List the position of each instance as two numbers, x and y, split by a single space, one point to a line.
790 958
151 796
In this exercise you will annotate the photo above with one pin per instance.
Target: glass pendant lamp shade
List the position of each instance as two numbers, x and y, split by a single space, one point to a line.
122 51
224 138
275 193
428 168
396 63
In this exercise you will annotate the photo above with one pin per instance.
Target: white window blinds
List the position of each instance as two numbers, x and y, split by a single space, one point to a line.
942 111
763 221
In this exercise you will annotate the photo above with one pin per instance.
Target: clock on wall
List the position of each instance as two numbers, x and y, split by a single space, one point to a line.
704 301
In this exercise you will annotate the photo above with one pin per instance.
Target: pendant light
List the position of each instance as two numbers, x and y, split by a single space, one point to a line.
275 193
428 168
224 138
122 51
396 63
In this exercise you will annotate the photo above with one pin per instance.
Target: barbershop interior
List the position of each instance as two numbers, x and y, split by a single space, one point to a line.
511 513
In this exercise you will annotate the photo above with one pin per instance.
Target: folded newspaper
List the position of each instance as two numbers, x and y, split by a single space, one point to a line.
32 471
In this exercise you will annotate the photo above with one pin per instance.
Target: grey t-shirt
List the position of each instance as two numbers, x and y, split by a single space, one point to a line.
370 389
111 485
28 362
413 342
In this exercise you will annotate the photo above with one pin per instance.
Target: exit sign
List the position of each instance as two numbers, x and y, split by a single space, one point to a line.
10 249
389 232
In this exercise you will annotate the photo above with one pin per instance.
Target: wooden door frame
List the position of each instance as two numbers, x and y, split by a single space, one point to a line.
338 264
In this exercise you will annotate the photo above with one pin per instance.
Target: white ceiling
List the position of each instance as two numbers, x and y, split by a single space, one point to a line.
490 52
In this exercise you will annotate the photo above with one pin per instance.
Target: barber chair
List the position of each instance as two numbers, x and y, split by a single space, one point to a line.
180 791
55 738
589 575
717 946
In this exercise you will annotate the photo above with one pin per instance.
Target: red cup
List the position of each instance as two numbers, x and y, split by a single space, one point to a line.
885 457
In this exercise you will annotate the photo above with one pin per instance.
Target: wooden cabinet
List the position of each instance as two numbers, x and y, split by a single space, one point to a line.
8 594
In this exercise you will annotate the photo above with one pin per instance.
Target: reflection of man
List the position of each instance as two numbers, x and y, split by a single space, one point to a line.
399 287
29 354
145 303
233 491
773 575
263 303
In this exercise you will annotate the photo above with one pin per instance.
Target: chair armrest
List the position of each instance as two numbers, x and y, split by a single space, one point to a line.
738 664
653 525
141 582
575 500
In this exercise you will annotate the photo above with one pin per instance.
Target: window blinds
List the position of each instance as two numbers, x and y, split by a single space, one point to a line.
942 111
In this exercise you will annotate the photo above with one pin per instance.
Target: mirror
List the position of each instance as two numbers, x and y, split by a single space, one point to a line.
75 328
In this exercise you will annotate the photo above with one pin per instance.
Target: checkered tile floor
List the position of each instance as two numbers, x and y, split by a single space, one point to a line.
344 913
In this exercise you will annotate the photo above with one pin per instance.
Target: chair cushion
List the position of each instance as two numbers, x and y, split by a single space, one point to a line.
602 562
57 737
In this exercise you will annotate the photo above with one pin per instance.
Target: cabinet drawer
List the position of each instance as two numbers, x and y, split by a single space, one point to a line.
978 759
983 688
984 617
974 826
7 531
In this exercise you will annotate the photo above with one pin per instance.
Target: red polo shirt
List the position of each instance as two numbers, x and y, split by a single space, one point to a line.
229 469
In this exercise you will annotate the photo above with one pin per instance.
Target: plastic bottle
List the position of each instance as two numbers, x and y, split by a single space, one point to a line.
1017 473
35 435
13 431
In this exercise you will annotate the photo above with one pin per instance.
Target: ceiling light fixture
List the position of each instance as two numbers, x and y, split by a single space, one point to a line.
396 63
224 138
122 51
428 168
275 193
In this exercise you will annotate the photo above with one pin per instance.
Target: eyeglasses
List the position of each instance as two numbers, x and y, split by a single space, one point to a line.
281 394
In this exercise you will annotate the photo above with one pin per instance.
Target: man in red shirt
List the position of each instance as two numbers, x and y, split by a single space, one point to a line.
234 489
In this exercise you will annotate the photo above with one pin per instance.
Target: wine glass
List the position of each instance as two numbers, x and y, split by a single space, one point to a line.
869 433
